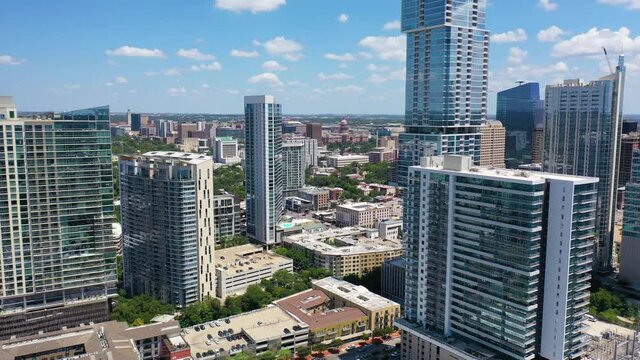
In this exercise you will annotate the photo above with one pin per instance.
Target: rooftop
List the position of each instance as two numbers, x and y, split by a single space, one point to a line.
246 257
350 156
343 241
358 295
362 206
189 158
309 306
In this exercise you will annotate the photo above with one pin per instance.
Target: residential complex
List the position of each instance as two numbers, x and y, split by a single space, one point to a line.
630 143
226 150
583 123
338 161
263 167
447 103
492 137
345 251
58 256
168 226
361 214
293 165
241 266
498 259
392 279
537 148
630 249
319 198
226 216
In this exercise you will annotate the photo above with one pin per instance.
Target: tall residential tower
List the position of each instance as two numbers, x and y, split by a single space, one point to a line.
447 79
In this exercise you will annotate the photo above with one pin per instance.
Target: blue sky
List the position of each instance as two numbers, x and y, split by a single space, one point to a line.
316 56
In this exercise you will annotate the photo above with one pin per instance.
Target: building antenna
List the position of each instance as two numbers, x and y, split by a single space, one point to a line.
606 56
520 83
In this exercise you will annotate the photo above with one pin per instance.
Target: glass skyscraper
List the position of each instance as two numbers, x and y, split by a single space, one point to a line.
58 254
630 249
583 131
263 167
447 79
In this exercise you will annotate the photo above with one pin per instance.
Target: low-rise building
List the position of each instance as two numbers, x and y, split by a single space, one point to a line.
361 214
392 280
338 161
390 229
268 329
386 190
381 312
382 154
318 197
226 150
244 265
345 251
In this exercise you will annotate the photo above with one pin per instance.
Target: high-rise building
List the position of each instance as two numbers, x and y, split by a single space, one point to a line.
520 110
263 167
135 121
630 143
630 248
167 226
537 148
492 144
447 79
498 260
7 108
293 165
58 251
226 216
629 127
226 150
314 131
583 123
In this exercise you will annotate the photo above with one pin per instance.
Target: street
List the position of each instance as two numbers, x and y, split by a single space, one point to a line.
386 350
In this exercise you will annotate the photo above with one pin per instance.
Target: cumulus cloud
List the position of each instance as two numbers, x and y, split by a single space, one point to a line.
377 68
172 72
281 46
9 60
336 76
629 4
195 54
121 80
386 47
343 18
132 51
516 56
382 77
255 6
551 34
340 57
547 5
592 42
177 91
273 65
348 89
510 36
267 77
244 54
214 66
392 25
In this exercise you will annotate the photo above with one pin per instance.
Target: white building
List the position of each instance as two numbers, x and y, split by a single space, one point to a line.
338 161
361 214
226 151
293 165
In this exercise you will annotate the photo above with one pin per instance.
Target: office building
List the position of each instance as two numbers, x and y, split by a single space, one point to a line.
382 154
226 150
338 161
361 214
492 137
345 251
390 229
293 166
497 259
583 137
135 121
629 126
186 130
520 110
392 280
56 213
447 103
314 131
630 143
630 248
537 148
319 197
263 167
226 216
168 226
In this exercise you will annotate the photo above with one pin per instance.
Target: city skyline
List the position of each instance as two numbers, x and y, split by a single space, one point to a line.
133 61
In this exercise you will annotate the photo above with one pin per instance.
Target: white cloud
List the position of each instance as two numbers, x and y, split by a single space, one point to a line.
195 54
9 60
112 63
336 76
108 83
121 80
378 77
365 55
281 46
507 77
551 34
377 68
255 6
214 66
172 72
592 42
177 91
267 77
629 4
273 65
386 47
510 36
348 89
131 51
547 5
392 25
151 73
205 86
340 57
516 56
343 18
244 54
343 66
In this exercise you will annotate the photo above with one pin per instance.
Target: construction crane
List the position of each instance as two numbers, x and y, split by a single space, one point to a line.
606 56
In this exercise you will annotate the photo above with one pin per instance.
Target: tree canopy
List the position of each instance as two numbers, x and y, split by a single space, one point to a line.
608 306
137 145
231 179
139 310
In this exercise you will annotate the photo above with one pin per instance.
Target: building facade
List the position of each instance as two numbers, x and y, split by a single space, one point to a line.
361 214
537 148
630 248
630 143
314 131
293 166
319 198
392 280
226 216
168 226
226 150
263 167
338 161
492 137
475 264
583 123
58 259
445 104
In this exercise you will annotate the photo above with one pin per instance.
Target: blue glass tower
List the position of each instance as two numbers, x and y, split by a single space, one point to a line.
447 79
630 251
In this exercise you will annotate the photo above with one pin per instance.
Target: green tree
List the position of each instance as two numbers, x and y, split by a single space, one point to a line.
267 355
231 241
284 354
138 309
200 312
121 145
242 356
365 336
370 280
231 179
137 322
303 351
254 298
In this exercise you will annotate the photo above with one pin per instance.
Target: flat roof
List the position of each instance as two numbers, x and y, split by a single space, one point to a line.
358 295
362 206
343 241
351 156
189 158
244 257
